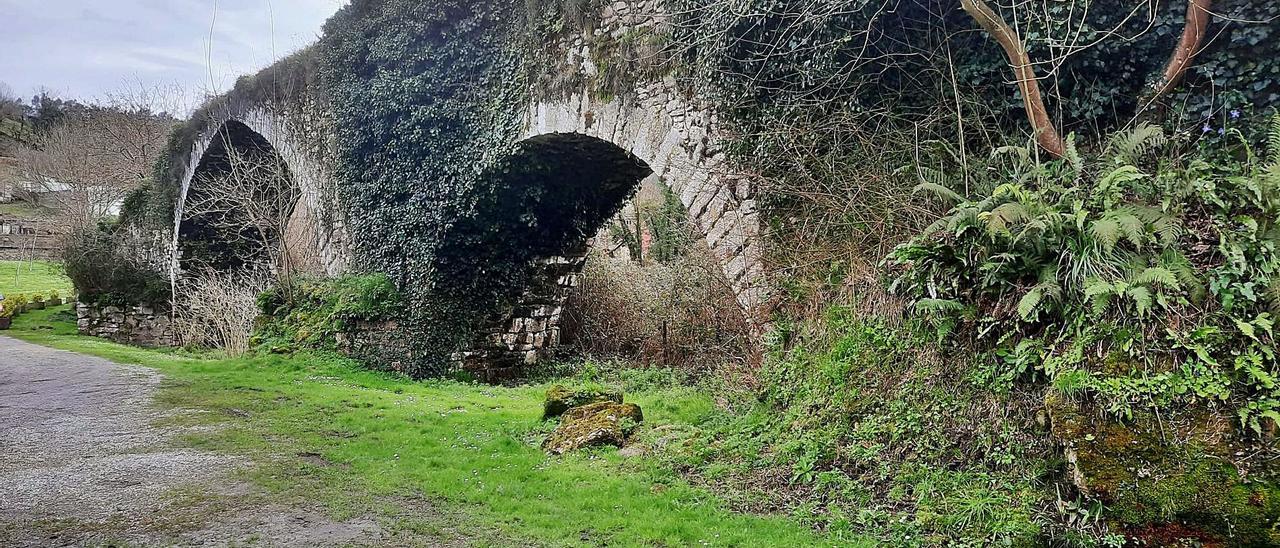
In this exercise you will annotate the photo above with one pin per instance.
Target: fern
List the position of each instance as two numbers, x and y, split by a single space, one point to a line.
1131 227
1001 218
939 306
1157 276
1142 299
1073 156
1099 293
939 190
1273 140
1112 186
1107 232
1129 146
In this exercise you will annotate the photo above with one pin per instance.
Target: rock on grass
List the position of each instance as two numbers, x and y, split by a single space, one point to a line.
594 425
561 399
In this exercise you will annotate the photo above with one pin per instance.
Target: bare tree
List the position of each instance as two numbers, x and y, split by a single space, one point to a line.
86 162
249 204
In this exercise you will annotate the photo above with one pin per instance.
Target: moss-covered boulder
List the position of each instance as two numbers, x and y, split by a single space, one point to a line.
561 399
593 425
1169 479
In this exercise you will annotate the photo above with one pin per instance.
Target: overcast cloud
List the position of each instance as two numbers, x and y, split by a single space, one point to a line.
89 48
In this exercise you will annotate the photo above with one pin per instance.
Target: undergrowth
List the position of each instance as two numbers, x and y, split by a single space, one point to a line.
864 428
1142 277
309 313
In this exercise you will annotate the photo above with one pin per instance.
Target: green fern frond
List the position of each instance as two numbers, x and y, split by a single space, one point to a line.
1273 294
1158 276
1166 228
1073 156
1107 232
1131 227
1142 299
1027 305
1001 218
1129 146
1273 140
1098 293
939 305
939 190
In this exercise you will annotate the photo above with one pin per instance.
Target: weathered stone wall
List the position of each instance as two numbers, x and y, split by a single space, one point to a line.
529 331
522 335
140 325
382 344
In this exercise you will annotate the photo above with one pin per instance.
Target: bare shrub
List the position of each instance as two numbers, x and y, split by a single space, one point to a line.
218 309
680 314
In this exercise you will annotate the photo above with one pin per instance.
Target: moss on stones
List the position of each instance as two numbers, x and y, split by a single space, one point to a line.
594 425
561 399
1168 478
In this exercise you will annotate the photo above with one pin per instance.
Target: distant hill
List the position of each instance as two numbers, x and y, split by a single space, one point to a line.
13 132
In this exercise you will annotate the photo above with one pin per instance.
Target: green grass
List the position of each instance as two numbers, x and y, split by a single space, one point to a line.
28 277
470 450
23 210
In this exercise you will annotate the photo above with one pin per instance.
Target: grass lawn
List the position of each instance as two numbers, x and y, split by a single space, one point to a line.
28 277
469 450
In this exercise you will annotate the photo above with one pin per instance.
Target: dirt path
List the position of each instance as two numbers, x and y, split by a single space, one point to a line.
82 464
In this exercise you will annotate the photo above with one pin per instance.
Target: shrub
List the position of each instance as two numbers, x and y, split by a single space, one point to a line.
8 308
310 312
1167 263
680 313
219 309
108 265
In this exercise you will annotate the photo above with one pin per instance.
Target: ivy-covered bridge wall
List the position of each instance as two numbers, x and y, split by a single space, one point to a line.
456 149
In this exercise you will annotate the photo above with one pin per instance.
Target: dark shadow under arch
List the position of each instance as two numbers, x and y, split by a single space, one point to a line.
525 240
207 240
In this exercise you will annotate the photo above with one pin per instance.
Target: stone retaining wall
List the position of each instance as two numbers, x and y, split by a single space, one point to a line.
141 325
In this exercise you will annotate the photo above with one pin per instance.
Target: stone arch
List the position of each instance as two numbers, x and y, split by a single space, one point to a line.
551 195
218 193
293 143
681 143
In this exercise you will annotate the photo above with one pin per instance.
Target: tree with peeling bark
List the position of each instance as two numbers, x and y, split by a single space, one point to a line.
1193 34
1046 133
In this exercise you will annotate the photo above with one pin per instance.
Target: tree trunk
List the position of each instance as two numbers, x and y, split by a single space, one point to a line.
1198 16
1046 134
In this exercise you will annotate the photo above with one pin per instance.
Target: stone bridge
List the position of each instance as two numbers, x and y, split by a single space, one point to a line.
654 129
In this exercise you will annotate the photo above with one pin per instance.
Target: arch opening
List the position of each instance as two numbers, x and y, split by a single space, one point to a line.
238 206
529 238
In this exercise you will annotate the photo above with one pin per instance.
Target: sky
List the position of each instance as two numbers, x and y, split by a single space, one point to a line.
89 49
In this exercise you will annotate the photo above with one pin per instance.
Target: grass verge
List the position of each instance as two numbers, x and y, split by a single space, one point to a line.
326 432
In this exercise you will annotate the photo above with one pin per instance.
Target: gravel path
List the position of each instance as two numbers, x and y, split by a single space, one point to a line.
82 464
